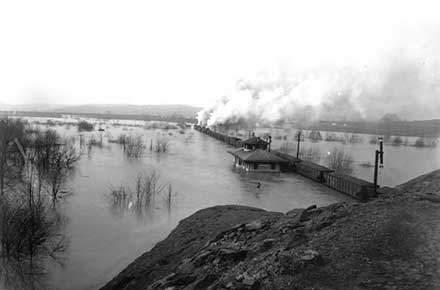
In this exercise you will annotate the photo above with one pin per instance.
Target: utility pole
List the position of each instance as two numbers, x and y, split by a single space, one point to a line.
298 136
378 160
269 140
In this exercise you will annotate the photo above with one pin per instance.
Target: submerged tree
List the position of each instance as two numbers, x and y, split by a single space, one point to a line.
31 228
11 161
312 154
162 145
141 198
340 161
134 146
85 126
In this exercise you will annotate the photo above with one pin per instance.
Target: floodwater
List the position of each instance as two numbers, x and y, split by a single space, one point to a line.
401 163
104 239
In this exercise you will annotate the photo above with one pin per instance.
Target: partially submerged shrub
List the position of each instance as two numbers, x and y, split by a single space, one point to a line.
142 196
94 141
426 142
134 146
160 125
333 137
340 161
397 141
355 139
374 140
162 145
315 135
312 154
85 126
366 164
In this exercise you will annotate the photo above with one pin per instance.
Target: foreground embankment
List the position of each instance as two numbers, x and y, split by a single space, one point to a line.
392 242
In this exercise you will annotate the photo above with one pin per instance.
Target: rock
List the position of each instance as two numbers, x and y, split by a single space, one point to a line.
249 281
206 281
310 255
267 244
295 239
311 207
295 211
309 214
253 226
233 254
186 266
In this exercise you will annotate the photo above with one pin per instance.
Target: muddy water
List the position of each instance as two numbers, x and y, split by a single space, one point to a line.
103 241
401 163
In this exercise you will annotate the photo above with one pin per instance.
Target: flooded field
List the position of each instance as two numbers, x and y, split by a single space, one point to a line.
104 232
110 222
402 160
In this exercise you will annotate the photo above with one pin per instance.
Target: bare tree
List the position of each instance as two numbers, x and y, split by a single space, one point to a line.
162 145
134 146
312 154
141 198
340 161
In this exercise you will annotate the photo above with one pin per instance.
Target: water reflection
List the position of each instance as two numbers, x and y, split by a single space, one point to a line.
17 275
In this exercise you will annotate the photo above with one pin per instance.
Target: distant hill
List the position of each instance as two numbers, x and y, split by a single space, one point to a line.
113 109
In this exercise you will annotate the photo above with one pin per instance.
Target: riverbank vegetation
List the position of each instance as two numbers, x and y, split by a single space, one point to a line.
34 167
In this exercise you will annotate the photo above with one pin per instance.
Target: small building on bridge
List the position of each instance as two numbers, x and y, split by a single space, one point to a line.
254 143
257 160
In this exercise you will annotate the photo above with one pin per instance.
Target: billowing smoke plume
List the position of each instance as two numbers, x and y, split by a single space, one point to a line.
405 83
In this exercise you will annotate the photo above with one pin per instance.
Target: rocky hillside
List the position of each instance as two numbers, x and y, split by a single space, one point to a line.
390 243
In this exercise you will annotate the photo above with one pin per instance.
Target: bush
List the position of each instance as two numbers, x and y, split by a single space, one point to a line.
374 140
333 137
419 142
85 126
397 141
426 142
315 135
134 146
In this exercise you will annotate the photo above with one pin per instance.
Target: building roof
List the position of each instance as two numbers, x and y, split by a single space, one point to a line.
286 156
254 141
257 155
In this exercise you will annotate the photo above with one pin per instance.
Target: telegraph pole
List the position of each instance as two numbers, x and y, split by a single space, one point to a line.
378 160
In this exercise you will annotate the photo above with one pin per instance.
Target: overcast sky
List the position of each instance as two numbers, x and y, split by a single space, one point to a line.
188 52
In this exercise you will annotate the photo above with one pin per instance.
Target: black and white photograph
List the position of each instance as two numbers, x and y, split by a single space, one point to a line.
219 145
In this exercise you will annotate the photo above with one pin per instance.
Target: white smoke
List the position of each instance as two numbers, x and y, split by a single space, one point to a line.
405 82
